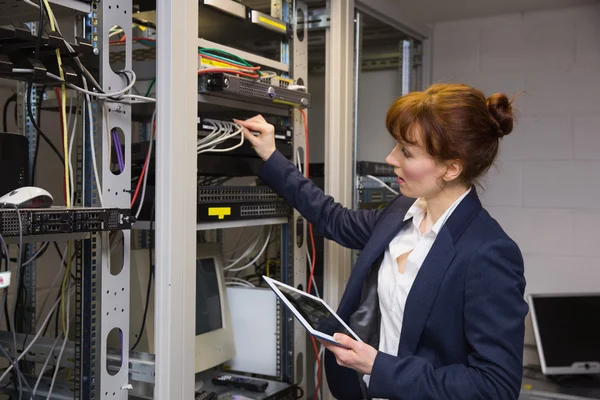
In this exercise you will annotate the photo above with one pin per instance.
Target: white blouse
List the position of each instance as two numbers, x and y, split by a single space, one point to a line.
392 286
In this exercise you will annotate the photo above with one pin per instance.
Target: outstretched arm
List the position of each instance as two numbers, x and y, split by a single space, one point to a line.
347 227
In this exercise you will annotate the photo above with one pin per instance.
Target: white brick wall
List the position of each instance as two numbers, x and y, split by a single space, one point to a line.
545 188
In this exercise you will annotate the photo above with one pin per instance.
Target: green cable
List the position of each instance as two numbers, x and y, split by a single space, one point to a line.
150 87
224 59
237 63
207 51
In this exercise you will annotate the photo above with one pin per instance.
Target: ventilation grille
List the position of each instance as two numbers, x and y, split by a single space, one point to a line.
10 223
249 88
113 219
264 210
281 83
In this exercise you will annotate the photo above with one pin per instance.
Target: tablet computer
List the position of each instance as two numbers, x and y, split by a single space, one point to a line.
312 312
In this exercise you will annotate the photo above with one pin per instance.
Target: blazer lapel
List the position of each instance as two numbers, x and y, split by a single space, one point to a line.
422 294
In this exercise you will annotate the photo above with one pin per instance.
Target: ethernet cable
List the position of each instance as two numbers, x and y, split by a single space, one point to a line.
62 349
88 101
246 253
227 130
35 338
260 253
382 183
147 167
238 282
115 97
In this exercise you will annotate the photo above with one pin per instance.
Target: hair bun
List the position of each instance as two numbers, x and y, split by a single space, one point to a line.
500 109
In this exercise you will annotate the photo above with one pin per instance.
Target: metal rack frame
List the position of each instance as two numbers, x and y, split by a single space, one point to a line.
102 298
176 232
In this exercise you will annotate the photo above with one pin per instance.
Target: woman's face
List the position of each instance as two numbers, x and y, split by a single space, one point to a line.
419 175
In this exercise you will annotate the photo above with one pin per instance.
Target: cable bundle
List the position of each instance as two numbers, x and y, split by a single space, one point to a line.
221 131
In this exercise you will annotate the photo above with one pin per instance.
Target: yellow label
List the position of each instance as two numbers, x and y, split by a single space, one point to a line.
215 63
274 24
220 212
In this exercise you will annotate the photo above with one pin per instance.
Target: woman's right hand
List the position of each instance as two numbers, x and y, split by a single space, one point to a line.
264 142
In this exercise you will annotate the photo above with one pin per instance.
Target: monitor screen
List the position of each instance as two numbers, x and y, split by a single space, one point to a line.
568 328
208 299
314 312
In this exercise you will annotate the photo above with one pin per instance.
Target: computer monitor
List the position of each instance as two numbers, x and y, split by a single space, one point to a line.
567 332
214 333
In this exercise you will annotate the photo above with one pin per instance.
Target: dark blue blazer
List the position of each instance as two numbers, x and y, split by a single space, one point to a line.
464 320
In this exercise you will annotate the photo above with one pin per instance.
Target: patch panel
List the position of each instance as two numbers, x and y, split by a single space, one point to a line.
245 194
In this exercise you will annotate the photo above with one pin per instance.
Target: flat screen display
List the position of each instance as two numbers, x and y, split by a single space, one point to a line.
208 298
569 329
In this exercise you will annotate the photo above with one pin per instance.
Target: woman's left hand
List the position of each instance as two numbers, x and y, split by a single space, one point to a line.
358 356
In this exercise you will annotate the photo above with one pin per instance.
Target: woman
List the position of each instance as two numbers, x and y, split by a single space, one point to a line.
437 293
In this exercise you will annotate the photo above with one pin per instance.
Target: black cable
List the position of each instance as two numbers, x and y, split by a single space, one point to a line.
36 126
60 254
37 142
144 22
16 371
150 276
38 42
4 308
11 99
298 392
38 255
64 263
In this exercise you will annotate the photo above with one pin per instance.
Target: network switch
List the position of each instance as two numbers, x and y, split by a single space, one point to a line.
373 168
230 203
375 195
237 194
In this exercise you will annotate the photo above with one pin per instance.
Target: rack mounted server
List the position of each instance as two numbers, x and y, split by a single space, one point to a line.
232 86
43 221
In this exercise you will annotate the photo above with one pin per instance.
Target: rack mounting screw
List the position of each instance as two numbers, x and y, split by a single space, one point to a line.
96 51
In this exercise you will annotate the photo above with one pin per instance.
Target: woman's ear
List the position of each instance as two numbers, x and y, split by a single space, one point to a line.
453 170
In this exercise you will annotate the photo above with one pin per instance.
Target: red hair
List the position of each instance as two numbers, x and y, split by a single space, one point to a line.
453 122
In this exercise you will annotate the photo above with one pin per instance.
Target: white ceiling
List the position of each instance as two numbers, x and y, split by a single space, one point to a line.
418 14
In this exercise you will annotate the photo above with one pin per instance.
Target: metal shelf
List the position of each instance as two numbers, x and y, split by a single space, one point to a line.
208 103
145 225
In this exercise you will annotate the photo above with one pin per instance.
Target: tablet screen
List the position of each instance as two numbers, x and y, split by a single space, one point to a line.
314 312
